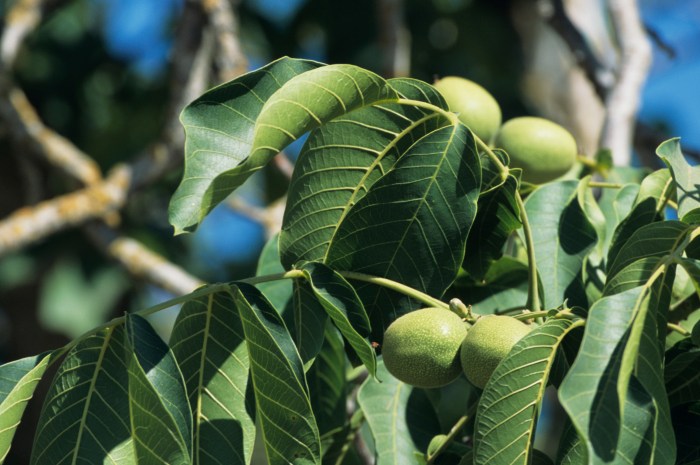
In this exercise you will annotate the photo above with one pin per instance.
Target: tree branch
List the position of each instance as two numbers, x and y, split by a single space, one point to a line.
624 98
230 58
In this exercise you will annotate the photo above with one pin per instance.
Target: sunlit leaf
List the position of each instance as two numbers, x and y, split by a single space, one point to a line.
288 426
278 292
562 236
18 380
400 417
687 177
161 421
85 417
219 128
208 343
509 407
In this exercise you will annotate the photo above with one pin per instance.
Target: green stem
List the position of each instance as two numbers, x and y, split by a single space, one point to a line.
587 162
395 286
605 185
678 328
456 428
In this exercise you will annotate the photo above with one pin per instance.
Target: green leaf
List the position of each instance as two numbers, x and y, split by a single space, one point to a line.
400 417
647 209
208 343
572 451
497 217
161 422
282 399
508 409
341 161
614 391
687 424
85 417
563 236
310 319
503 288
422 210
687 177
278 292
327 384
345 309
219 130
18 380
682 373
653 240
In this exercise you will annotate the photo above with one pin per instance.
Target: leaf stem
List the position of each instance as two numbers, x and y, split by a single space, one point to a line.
456 428
396 286
605 185
678 328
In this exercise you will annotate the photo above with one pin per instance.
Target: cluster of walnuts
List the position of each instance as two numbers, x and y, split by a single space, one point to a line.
430 347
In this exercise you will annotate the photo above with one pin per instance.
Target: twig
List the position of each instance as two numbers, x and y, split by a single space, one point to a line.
599 76
230 58
30 224
21 19
623 101
142 262
394 38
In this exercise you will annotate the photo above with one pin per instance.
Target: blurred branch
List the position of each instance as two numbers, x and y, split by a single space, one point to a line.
142 262
600 77
21 19
30 224
394 38
623 101
230 59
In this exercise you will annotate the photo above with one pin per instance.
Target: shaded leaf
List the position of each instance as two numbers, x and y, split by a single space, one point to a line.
400 417
327 385
161 422
341 161
18 380
345 309
687 425
282 399
572 451
219 131
682 373
497 217
687 177
562 236
208 343
422 210
508 409
309 322
504 287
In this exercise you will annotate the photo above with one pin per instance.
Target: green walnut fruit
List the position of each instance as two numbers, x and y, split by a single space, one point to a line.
474 105
422 348
542 148
487 343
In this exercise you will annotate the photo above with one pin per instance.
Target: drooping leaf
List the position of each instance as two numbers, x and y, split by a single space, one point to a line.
161 422
345 309
509 407
287 422
310 319
497 217
614 391
327 385
562 236
85 417
422 210
687 177
400 417
342 160
682 373
219 132
208 343
18 380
